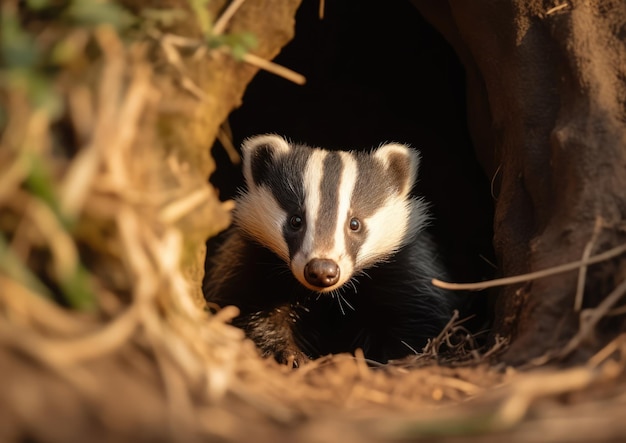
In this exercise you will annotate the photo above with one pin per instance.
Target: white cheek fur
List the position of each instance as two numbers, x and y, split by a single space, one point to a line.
389 229
261 218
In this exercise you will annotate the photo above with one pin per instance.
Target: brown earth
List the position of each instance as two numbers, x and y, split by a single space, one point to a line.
546 92
128 208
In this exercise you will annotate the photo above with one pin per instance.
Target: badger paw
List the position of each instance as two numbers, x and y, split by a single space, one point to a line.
293 358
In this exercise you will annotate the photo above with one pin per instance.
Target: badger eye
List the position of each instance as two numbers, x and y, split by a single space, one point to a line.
295 222
355 224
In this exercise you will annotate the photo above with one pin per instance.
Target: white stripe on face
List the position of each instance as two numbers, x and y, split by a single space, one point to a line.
328 245
312 182
346 187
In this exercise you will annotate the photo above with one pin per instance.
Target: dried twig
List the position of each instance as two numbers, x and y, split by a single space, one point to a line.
225 136
203 363
72 351
178 209
274 68
582 273
321 9
30 310
589 318
526 390
492 183
603 354
500 344
168 43
222 21
556 8
611 253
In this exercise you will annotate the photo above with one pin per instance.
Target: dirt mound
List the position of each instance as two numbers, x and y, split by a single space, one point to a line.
106 123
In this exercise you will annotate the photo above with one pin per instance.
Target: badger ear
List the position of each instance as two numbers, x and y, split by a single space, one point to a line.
401 163
258 154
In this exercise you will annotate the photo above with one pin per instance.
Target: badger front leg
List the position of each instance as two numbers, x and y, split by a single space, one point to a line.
272 331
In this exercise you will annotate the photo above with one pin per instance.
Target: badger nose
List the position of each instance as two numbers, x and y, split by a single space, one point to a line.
321 272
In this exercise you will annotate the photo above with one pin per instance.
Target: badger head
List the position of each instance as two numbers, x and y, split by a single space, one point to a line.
328 214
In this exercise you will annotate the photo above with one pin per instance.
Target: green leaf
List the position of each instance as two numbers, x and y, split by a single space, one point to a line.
93 13
65 51
40 182
76 289
13 267
18 48
38 87
200 10
164 17
37 5
242 44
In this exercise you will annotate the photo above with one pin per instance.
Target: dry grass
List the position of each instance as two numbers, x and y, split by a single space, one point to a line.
114 216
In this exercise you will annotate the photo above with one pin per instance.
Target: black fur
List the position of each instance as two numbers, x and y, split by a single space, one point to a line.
389 309
390 312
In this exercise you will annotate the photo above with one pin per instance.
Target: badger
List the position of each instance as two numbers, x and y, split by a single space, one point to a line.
328 253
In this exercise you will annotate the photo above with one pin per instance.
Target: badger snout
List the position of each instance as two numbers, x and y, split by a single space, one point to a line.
321 272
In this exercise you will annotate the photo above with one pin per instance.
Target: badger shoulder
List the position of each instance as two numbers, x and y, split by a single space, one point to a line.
317 232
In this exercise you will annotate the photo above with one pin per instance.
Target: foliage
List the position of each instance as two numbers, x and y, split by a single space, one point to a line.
44 44
39 40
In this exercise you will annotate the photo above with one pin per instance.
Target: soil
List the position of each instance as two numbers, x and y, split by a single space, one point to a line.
104 210
126 396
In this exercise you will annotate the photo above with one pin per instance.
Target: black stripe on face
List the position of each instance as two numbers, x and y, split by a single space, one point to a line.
326 220
371 190
373 185
291 195
283 175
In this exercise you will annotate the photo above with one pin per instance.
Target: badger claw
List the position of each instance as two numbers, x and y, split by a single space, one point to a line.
292 358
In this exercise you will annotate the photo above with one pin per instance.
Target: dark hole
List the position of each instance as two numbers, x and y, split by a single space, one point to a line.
377 72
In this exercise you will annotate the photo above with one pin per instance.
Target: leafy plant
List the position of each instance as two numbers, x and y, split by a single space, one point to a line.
37 41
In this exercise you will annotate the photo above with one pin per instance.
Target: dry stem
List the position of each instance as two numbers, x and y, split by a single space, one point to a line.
582 273
222 21
557 8
589 318
611 253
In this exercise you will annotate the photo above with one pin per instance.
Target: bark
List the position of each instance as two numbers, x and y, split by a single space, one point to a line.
546 97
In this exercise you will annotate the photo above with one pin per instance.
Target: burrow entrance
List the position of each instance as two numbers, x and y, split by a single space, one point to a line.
377 74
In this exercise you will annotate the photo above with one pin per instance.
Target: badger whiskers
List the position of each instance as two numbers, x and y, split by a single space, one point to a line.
352 282
411 348
309 223
337 293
